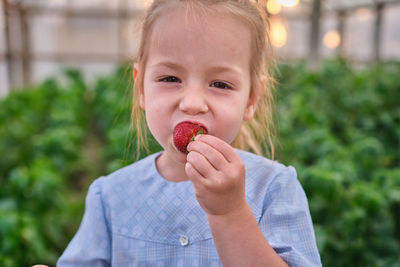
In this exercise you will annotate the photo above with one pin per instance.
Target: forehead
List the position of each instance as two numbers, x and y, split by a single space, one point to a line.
212 35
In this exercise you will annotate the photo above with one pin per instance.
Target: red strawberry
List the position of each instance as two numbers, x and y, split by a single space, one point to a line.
184 133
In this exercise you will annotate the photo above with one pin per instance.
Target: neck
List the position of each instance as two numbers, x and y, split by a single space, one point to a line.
170 169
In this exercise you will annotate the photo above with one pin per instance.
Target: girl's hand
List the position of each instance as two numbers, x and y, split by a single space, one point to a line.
217 174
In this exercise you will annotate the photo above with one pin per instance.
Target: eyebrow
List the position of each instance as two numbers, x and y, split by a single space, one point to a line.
168 64
220 69
213 69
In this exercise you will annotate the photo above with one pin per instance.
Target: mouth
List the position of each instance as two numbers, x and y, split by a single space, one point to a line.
185 132
193 123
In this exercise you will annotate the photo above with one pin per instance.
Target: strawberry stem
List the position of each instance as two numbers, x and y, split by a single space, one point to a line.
198 133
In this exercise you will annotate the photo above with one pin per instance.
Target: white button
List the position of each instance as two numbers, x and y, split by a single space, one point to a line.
184 240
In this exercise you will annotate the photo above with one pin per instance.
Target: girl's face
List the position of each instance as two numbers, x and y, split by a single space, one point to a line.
198 70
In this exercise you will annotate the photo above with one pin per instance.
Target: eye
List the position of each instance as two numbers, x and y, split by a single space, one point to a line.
221 85
170 79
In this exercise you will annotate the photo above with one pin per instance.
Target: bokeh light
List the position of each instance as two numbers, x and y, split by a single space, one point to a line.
332 39
289 3
278 33
273 7
363 14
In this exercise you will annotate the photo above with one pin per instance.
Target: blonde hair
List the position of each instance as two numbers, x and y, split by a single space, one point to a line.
258 134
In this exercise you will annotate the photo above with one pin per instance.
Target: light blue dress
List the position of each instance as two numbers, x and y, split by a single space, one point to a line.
134 217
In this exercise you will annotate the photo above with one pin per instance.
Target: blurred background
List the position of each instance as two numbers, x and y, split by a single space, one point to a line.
65 93
39 37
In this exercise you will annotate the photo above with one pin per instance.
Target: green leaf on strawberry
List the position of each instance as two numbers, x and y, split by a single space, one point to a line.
198 133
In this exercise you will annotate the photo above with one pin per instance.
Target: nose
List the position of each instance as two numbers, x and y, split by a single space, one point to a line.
194 100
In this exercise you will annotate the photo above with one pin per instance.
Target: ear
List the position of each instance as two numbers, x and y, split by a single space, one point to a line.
135 71
135 74
253 101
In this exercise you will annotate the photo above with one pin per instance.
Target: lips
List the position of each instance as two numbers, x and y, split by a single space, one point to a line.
184 133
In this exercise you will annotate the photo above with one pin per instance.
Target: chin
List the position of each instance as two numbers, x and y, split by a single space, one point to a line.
180 157
175 155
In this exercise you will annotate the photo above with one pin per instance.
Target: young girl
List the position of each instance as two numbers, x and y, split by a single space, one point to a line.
203 66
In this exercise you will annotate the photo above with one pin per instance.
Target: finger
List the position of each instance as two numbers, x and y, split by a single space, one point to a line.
215 158
198 181
224 148
201 164
193 174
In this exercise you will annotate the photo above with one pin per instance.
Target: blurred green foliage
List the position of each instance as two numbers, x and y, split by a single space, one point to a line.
339 126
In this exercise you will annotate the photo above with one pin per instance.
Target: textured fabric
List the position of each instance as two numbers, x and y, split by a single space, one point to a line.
134 217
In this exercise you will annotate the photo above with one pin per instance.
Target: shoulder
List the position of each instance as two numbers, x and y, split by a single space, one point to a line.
142 166
253 160
268 170
129 175
268 181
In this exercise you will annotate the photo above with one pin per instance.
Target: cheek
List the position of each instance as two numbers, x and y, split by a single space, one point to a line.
157 126
157 117
153 111
153 106
228 123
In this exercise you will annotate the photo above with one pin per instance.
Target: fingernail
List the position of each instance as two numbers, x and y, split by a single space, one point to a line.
197 137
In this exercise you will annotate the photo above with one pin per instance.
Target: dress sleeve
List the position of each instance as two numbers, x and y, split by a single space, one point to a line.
286 221
91 245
